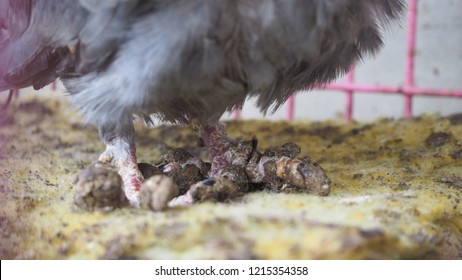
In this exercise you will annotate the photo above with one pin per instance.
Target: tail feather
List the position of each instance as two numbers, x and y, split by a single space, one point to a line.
4 85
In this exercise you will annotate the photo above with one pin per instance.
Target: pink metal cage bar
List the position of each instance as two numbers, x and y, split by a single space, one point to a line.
408 90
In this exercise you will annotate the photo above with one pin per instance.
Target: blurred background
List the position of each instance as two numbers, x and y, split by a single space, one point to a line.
438 65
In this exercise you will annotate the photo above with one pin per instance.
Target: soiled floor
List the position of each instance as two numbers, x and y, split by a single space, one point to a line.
395 194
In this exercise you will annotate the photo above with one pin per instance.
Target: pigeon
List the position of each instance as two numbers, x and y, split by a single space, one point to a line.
182 61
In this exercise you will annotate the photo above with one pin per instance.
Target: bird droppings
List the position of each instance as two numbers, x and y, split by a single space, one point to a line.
452 181
157 191
184 176
455 119
218 189
404 202
249 170
437 139
290 150
183 168
237 175
276 169
99 187
292 175
457 155
175 155
148 170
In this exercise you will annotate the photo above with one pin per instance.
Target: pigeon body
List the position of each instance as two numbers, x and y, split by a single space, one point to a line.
183 61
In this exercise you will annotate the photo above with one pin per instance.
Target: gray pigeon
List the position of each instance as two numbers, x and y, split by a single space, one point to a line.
184 61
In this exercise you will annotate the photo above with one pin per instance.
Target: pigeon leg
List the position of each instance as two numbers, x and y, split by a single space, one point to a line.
121 152
220 148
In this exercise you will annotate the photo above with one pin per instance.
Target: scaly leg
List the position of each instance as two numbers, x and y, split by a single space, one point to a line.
121 152
222 153
219 148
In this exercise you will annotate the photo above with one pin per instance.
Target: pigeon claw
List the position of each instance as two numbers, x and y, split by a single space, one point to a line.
132 179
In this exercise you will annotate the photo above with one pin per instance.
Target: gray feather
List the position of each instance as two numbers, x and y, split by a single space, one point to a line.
193 60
